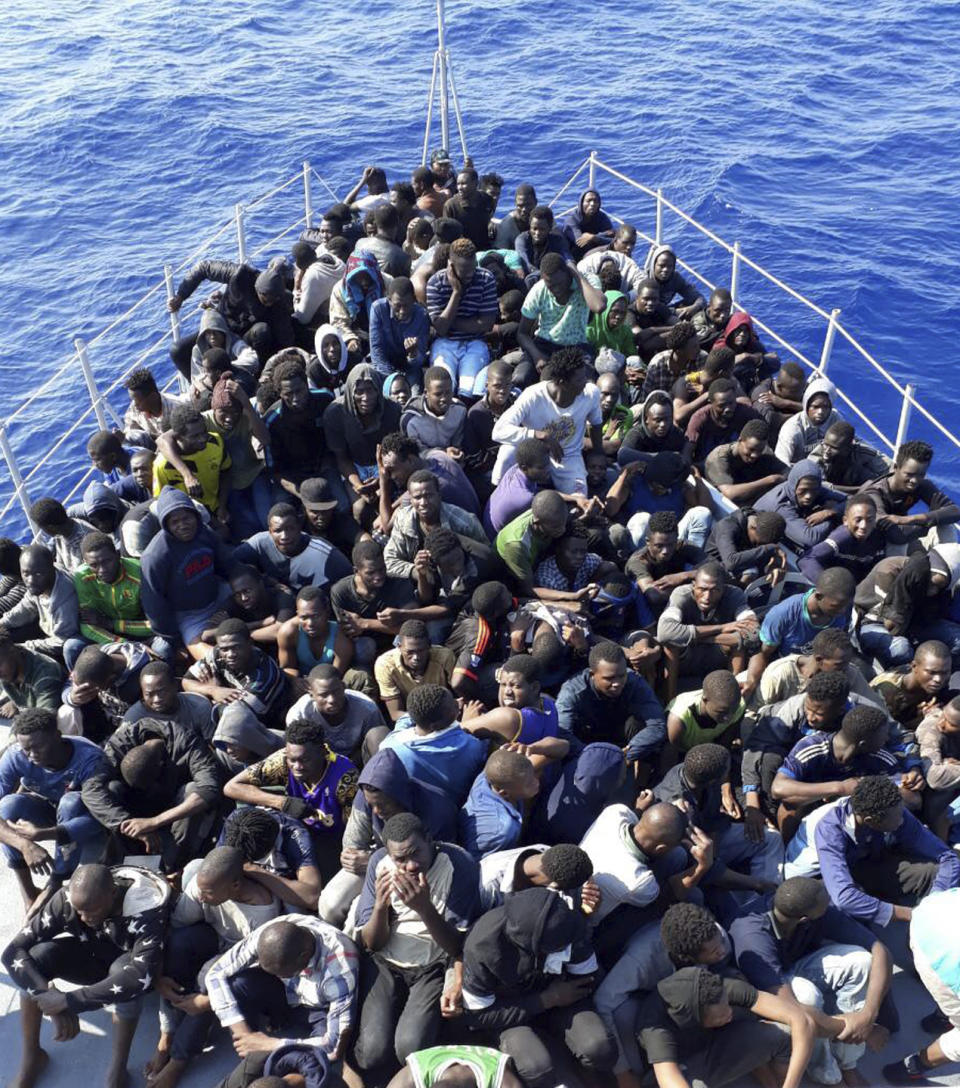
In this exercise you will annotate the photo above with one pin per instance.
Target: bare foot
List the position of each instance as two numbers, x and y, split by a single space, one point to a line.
153 1067
31 1070
169 1076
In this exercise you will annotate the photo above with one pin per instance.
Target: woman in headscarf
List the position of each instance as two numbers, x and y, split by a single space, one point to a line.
810 510
610 329
752 363
588 227
350 301
800 433
661 266
353 426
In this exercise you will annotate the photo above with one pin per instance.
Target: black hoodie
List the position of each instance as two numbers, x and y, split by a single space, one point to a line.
505 955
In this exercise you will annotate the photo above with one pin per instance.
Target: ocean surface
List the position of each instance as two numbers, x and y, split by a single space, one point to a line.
822 137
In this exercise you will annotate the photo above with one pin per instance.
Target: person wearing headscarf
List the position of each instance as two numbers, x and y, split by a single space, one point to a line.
661 266
352 300
354 425
610 329
327 368
588 227
811 510
800 433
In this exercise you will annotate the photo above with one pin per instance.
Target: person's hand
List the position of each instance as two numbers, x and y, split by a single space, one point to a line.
644 799
820 517
728 802
847 786
553 446
38 859
191 1004
668 582
574 637
92 618
776 567
456 286
254 1042
350 624
747 688
193 485
566 991
66 1026
51 1001
391 617
81 694
857 1026
642 653
383 889
455 452
352 344
226 695
913 780
590 897
410 344
701 849
174 304
423 563
754 824
473 708
683 312
144 831
587 593
451 1000
297 808
928 706
168 988
412 890
354 861
9 709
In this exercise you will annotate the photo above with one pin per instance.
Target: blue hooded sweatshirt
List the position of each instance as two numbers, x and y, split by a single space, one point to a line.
588 783
385 772
177 576
783 500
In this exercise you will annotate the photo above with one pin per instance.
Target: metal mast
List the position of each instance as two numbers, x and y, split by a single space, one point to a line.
443 70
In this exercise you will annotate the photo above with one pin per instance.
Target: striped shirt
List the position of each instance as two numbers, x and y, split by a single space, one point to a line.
812 759
262 684
478 299
328 983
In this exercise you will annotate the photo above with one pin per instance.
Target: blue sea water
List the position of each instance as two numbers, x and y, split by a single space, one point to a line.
823 137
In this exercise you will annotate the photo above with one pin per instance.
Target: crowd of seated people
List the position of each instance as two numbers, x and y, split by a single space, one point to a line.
493 667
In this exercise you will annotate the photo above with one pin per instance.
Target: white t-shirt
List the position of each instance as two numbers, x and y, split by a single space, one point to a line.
535 410
620 871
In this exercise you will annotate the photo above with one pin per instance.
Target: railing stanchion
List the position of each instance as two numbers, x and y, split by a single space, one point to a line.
307 197
241 234
95 398
828 341
174 315
592 176
735 273
442 53
658 234
19 487
906 410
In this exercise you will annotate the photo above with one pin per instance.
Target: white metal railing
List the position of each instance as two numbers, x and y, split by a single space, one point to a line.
100 408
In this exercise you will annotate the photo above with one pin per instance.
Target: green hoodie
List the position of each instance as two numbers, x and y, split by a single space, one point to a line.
601 335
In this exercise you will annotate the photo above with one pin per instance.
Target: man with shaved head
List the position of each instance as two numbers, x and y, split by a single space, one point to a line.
298 973
636 857
109 926
220 905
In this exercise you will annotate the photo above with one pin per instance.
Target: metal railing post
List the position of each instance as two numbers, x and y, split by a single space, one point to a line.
95 399
241 234
19 487
456 108
430 97
735 273
906 410
828 341
442 50
307 197
174 316
658 233
592 174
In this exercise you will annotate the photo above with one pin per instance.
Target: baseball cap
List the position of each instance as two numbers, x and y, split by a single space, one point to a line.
315 494
440 154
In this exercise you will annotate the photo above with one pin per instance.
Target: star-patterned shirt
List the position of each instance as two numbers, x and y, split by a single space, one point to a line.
136 930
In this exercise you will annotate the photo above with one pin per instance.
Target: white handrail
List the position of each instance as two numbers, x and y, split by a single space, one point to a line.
99 402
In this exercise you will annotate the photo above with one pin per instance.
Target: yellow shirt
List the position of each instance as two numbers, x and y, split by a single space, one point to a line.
208 465
395 679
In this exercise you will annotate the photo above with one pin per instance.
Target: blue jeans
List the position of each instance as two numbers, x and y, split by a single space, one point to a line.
890 650
249 507
465 361
87 836
693 528
163 648
947 631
